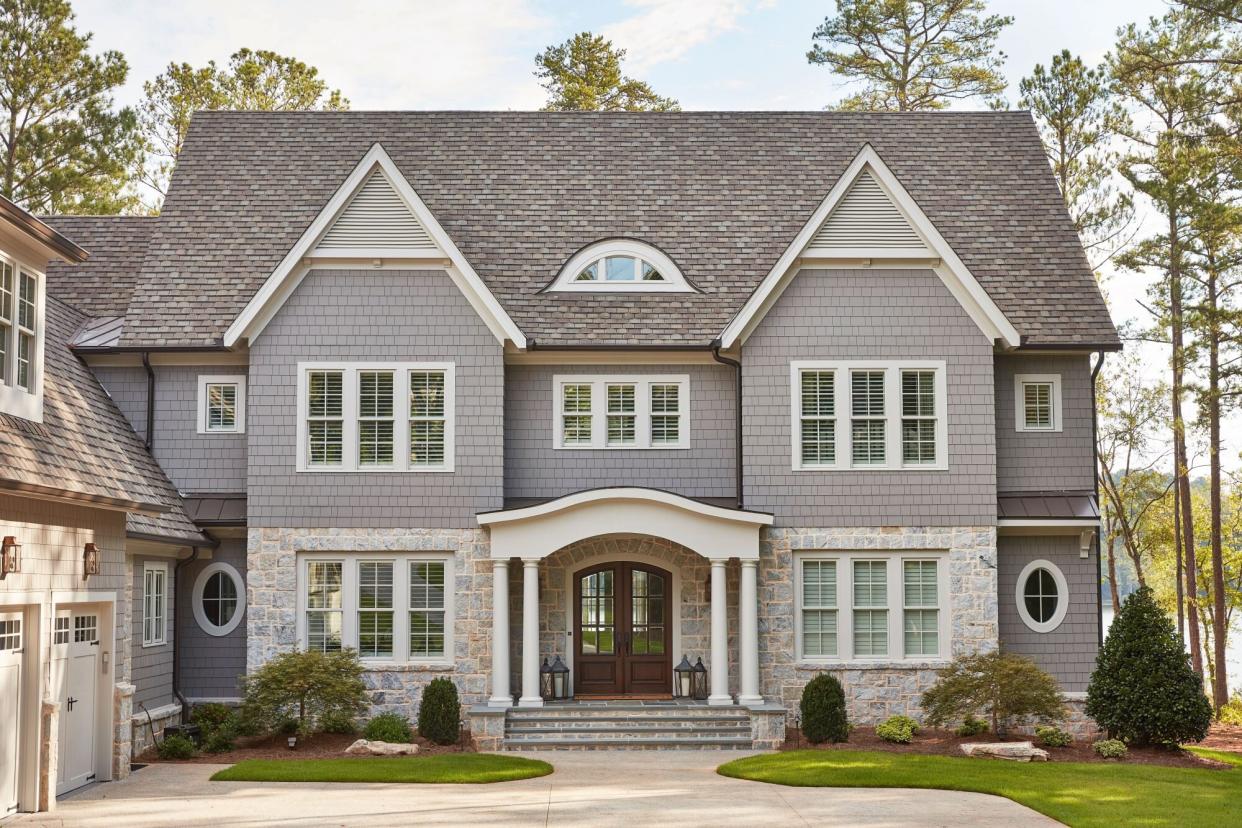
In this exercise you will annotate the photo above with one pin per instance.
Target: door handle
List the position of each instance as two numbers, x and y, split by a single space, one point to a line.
71 702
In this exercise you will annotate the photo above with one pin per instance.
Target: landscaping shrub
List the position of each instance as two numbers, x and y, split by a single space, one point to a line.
1001 686
304 687
439 714
175 746
897 729
218 726
1110 748
1052 736
1143 690
388 727
218 741
337 722
1231 713
823 711
971 727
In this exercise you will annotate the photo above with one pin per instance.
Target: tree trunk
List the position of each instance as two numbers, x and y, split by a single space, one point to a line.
1177 544
1112 580
1220 684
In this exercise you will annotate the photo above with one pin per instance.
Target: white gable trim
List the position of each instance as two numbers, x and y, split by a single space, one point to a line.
951 270
292 268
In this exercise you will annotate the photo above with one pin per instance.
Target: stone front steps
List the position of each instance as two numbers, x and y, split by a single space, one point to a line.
617 725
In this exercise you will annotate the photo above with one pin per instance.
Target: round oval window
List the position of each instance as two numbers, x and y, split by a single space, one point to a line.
219 599
1042 596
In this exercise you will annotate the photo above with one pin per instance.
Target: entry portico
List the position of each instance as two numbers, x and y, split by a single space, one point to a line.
714 533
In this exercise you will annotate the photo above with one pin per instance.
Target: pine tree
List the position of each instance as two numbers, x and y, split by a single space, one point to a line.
583 74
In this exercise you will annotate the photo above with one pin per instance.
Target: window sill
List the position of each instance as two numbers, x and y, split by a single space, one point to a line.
921 468
407 666
874 664
153 645
377 470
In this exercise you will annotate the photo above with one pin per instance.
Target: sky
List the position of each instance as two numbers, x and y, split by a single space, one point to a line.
479 54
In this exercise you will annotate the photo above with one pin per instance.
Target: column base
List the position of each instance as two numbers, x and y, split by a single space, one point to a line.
750 700
530 701
500 701
717 701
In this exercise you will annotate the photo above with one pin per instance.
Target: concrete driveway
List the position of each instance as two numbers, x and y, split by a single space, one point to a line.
630 788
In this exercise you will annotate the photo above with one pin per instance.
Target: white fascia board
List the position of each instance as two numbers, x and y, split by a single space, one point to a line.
291 270
953 272
618 494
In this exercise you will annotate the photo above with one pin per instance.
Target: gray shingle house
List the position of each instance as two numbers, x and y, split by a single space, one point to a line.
786 392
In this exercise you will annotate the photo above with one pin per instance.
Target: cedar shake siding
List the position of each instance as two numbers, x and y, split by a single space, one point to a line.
373 316
153 665
211 666
869 315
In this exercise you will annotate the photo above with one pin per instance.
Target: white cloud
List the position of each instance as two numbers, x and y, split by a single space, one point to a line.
665 30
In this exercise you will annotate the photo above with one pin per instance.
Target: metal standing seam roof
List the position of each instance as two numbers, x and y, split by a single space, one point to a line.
1047 506
722 193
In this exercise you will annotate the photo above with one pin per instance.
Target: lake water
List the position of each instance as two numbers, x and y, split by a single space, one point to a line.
1233 655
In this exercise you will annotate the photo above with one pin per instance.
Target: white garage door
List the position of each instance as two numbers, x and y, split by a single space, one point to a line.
10 707
76 675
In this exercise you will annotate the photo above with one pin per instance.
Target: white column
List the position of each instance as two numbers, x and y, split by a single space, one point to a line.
748 609
530 634
500 635
720 638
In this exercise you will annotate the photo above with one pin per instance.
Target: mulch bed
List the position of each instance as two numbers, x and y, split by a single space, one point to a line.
321 746
931 741
1224 737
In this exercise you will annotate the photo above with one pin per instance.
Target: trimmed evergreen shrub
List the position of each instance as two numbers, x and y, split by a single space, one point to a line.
303 686
1143 690
897 729
823 711
388 727
1001 686
218 726
1052 736
1110 748
971 726
175 746
338 722
439 714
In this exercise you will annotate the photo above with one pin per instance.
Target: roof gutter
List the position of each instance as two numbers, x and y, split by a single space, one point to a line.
102 501
1099 537
149 436
1088 347
737 425
36 229
152 349
532 345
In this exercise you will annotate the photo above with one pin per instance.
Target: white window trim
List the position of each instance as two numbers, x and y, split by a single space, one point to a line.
892 414
401 416
1020 381
200 583
599 410
205 380
161 635
1062 596
674 281
896 605
401 608
15 400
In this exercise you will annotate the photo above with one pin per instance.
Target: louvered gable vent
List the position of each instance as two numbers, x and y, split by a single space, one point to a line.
377 219
867 219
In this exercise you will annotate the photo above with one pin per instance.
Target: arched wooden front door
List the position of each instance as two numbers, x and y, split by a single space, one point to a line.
623 636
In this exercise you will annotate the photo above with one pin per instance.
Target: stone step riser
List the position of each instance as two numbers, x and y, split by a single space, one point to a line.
620 728
615 714
511 744
603 720
733 732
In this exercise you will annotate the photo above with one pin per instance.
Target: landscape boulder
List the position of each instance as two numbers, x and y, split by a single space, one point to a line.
1013 751
366 747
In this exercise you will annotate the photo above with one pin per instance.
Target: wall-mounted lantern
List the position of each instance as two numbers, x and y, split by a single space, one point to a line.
90 561
10 556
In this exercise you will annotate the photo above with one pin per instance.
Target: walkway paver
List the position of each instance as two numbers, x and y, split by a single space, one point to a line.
631 788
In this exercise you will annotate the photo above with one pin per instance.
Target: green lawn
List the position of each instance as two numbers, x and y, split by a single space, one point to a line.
466 768
1078 794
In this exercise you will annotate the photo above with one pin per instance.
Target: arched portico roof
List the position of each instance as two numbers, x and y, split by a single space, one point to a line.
715 532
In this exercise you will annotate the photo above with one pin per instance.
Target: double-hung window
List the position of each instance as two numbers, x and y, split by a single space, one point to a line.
21 340
868 415
871 605
604 412
154 604
1037 402
375 417
390 607
221 404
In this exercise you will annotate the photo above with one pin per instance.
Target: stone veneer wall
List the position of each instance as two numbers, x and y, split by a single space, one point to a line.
271 604
873 690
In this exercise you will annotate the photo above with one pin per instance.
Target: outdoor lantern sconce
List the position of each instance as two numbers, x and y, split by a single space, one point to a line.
700 680
683 687
560 680
90 561
10 556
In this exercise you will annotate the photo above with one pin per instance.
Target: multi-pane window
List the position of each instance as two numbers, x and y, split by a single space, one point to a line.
621 412
21 336
817 421
85 629
375 609
388 607
154 603
6 317
1037 402
819 608
918 417
376 417
10 634
324 607
26 303
867 423
60 635
921 614
868 415
870 608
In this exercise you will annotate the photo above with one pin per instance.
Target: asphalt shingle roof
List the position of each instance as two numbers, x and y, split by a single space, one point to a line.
722 194
104 283
84 444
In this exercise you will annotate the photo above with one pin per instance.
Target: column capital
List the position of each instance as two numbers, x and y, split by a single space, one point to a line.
530 563
500 563
750 563
719 563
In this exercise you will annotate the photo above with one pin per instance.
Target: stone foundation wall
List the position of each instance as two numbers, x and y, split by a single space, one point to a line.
873 690
146 732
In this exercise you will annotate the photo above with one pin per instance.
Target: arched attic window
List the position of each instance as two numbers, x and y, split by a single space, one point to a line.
620 265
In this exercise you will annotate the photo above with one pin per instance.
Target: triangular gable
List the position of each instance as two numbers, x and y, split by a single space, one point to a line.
343 212
867 169
866 219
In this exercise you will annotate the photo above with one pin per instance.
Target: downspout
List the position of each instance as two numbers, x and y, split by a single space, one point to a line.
150 435
176 667
737 373
1099 537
